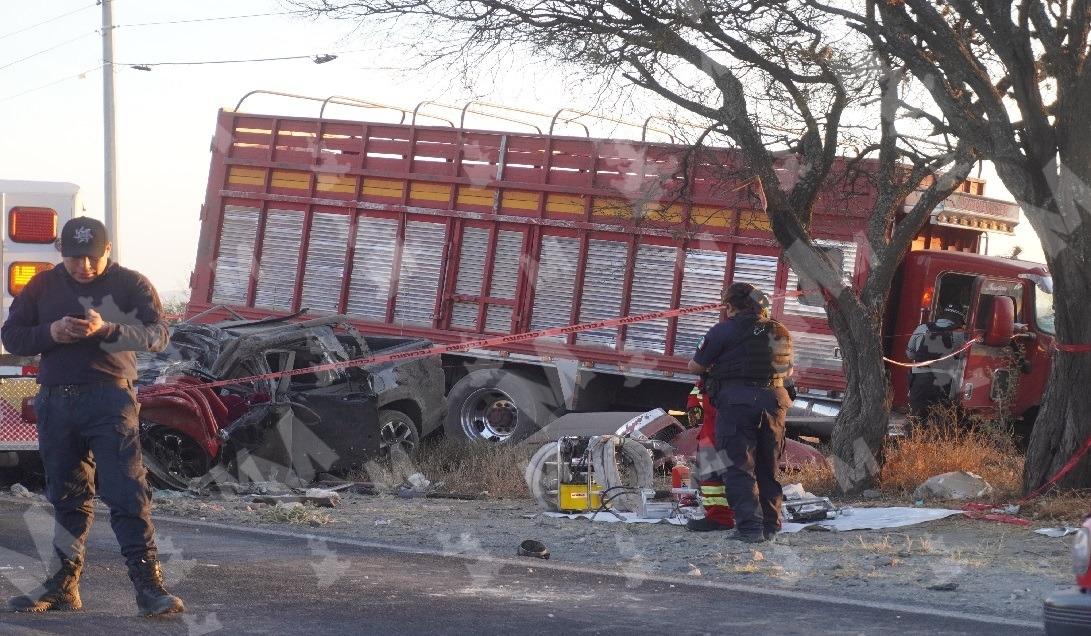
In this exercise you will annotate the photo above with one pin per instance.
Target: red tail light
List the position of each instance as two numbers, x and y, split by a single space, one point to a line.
29 415
20 273
32 225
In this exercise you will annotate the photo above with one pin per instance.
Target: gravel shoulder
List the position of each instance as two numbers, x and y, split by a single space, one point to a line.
956 563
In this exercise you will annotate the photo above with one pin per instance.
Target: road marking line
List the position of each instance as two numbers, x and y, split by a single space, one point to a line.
564 567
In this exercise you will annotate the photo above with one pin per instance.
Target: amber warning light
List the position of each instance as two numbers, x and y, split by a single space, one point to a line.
32 225
19 274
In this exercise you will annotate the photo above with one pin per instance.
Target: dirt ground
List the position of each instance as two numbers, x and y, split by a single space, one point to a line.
956 563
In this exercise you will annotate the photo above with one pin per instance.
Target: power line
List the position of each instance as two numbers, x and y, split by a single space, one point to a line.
55 46
215 19
319 58
44 22
53 83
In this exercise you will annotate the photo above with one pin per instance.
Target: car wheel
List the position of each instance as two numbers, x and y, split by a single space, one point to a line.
397 430
172 457
497 406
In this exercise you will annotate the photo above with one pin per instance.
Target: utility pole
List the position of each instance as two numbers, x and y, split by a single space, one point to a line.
109 166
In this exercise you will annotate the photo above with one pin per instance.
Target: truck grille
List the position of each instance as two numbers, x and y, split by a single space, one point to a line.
325 269
372 263
279 260
235 254
816 351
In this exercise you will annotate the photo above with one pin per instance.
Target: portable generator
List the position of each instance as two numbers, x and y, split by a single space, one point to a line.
577 490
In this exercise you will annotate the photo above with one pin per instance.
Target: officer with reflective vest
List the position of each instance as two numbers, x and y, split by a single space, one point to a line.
747 359
935 383
718 515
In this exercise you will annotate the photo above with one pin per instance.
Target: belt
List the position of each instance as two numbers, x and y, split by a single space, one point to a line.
82 389
763 384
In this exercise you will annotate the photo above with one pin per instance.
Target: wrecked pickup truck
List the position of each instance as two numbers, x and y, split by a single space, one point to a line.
283 429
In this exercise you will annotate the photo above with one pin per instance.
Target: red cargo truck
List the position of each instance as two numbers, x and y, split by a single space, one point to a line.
454 234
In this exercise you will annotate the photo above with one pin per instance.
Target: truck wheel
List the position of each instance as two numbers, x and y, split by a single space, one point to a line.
396 429
497 406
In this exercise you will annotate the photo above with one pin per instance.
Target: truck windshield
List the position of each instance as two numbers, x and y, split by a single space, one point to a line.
1043 304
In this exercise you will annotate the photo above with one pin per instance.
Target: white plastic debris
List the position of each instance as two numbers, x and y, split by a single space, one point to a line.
1056 533
796 491
19 490
957 484
419 482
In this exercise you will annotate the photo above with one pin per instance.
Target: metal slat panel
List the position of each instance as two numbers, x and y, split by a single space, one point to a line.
602 289
505 279
498 319
760 271
372 263
325 267
791 303
815 351
702 282
505 269
422 254
653 280
556 278
471 271
236 252
279 259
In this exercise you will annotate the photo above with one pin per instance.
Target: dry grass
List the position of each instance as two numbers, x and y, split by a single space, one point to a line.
303 515
940 448
471 469
1069 507
817 478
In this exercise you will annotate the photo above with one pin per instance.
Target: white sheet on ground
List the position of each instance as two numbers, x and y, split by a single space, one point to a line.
875 519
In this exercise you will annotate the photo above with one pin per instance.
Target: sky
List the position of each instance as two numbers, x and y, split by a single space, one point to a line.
166 116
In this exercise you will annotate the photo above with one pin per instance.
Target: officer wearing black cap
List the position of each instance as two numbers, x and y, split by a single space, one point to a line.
934 384
86 317
748 357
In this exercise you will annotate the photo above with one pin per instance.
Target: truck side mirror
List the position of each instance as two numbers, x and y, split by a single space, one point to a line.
1001 326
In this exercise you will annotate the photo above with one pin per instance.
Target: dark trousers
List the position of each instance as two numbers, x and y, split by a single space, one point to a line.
90 430
927 390
750 433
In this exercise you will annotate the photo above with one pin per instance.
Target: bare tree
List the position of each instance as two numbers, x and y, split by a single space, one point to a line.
762 74
1013 80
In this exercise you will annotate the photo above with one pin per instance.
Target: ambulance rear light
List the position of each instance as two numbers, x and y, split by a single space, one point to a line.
20 273
32 225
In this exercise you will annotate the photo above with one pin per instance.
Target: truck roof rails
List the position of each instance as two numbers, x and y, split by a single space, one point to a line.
556 117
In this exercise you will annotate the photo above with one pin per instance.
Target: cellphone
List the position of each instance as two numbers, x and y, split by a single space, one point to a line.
78 316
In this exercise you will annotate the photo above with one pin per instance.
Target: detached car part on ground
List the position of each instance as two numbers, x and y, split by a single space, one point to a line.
286 429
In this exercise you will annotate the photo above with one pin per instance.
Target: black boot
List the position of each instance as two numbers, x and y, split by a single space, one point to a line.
151 598
61 591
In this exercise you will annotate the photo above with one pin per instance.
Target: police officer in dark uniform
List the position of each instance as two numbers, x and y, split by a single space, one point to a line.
86 317
748 358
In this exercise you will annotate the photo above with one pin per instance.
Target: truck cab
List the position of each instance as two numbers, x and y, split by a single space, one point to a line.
1009 318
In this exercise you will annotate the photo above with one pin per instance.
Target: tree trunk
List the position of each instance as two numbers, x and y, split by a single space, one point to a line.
861 425
1064 421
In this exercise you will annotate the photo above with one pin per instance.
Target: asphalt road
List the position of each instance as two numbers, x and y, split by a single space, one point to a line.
237 581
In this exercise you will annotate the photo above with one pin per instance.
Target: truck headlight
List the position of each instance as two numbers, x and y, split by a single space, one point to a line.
1081 552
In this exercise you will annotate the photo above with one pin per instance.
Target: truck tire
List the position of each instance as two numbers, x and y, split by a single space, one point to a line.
497 406
398 428
543 477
